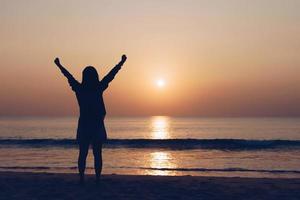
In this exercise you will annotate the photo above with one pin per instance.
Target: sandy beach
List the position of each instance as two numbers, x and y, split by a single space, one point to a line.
19 185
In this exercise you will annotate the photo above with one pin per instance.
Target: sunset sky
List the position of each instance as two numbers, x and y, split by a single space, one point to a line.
185 57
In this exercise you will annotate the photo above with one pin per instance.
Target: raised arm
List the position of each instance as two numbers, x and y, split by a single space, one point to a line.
111 75
72 81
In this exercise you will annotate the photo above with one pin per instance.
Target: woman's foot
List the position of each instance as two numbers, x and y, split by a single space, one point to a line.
81 180
97 180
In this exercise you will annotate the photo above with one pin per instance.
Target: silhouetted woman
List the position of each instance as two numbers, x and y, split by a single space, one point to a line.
91 129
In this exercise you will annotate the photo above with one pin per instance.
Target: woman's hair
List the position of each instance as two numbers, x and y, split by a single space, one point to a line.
90 77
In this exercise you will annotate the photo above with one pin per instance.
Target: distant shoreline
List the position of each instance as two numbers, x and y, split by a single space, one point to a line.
21 185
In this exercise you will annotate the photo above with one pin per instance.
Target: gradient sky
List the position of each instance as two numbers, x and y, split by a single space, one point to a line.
218 58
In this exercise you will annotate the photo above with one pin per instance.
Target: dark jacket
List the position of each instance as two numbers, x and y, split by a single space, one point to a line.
92 109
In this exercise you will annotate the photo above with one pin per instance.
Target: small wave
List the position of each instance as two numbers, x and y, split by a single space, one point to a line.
23 167
181 144
274 171
215 170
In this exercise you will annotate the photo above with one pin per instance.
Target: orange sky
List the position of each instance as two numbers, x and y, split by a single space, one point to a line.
218 58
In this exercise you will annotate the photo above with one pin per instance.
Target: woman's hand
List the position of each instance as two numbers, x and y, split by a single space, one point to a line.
124 58
57 62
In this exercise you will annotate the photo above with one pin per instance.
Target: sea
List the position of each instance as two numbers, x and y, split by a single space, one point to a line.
158 145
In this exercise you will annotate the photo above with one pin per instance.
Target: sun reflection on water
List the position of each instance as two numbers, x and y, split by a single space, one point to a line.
161 160
160 127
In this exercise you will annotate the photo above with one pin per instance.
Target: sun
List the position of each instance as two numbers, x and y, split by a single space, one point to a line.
160 83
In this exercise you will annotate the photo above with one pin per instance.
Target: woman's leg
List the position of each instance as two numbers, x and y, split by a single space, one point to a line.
97 151
83 152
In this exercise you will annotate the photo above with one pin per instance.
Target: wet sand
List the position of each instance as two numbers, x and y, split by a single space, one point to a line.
19 185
